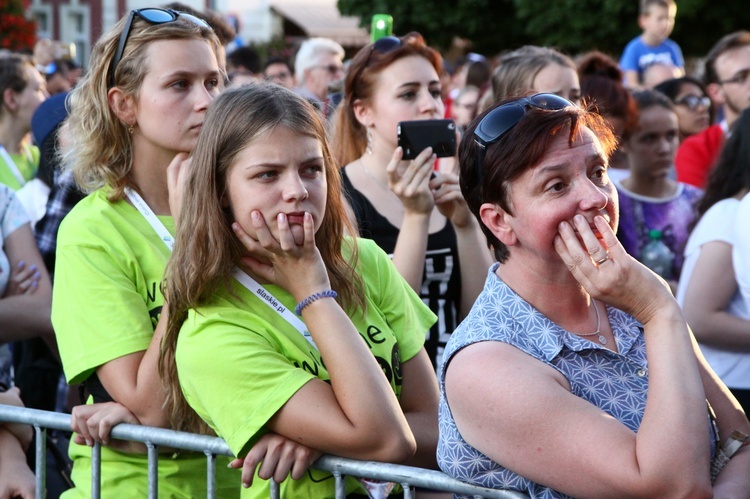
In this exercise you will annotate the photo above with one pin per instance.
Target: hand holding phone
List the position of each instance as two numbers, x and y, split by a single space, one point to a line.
416 136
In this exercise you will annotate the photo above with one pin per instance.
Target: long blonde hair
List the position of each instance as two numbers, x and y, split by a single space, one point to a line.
101 152
206 250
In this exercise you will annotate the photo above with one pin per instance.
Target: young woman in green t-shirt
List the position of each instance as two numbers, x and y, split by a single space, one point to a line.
142 102
261 232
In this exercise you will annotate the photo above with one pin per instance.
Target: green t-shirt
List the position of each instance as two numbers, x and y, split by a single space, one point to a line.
106 303
27 163
239 361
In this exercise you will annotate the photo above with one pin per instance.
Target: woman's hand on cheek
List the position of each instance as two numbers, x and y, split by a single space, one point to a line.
298 268
177 173
606 271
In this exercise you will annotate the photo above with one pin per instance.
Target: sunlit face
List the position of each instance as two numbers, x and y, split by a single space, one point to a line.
692 118
652 147
281 172
464 108
733 68
560 80
181 81
658 22
569 180
408 89
30 97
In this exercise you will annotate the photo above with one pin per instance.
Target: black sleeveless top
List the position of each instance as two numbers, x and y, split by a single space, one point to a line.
441 281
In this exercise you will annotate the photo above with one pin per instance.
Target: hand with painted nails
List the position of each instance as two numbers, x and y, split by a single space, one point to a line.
296 266
24 279
599 262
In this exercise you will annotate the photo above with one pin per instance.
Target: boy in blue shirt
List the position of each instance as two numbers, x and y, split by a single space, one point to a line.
656 19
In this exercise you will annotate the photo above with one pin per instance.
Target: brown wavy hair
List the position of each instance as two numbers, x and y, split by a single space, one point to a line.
206 249
101 150
505 161
349 136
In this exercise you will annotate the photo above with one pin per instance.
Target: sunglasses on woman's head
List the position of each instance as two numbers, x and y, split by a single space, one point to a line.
693 102
153 16
501 119
382 46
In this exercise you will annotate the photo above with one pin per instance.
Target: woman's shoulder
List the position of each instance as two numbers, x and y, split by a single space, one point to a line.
716 224
95 217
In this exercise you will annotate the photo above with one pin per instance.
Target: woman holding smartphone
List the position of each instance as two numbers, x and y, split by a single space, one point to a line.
414 213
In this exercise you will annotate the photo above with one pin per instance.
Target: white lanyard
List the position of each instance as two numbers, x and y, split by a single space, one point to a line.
12 166
251 284
269 299
150 217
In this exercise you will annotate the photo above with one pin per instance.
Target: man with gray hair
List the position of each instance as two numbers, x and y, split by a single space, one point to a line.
318 66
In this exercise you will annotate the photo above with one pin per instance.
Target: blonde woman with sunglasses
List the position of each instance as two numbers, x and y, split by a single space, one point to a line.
142 103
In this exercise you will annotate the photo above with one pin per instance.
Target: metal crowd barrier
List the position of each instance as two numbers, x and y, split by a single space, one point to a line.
409 477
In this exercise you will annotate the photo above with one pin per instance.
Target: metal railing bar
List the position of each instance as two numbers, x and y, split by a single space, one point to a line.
153 471
338 466
40 462
96 471
210 475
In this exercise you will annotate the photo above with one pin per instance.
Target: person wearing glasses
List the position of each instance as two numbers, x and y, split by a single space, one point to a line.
727 77
279 320
692 104
575 374
141 104
318 67
413 212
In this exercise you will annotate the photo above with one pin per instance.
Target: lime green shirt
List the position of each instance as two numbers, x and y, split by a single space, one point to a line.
106 303
27 163
239 361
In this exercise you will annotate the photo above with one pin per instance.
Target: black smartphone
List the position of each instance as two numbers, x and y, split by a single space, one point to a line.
416 136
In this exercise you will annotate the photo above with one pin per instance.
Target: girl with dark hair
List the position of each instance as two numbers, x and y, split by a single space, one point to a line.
414 213
650 200
692 104
708 289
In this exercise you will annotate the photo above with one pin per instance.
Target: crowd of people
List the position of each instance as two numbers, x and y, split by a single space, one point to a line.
195 238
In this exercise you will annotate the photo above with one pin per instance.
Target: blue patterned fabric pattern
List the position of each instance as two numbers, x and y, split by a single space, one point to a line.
617 383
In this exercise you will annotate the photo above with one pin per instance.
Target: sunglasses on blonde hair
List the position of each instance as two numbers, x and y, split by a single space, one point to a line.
150 15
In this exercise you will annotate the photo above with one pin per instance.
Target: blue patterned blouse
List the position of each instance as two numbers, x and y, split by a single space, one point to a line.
594 373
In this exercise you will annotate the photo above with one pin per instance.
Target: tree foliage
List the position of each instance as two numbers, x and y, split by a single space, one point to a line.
573 26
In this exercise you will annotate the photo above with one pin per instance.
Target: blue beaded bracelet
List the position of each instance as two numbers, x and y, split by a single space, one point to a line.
328 293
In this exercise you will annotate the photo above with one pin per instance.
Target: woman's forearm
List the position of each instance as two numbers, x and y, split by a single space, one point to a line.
134 380
411 249
475 259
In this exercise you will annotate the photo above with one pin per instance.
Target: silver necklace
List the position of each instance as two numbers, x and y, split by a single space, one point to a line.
598 332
